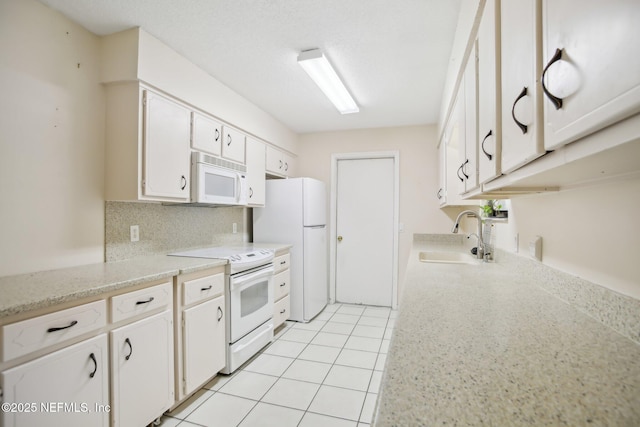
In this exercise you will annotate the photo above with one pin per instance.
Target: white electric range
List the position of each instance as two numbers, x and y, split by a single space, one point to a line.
248 298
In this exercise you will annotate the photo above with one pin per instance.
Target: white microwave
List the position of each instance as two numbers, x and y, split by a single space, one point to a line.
217 182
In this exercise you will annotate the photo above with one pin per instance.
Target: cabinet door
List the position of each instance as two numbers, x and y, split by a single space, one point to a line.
521 94
469 119
75 377
255 171
442 173
142 370
597 76
206 134
275 162
204 342
233 144
489 113
167 128
289 168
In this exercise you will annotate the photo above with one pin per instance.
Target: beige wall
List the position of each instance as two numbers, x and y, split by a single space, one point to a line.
51 141
52 135
590 232
419 211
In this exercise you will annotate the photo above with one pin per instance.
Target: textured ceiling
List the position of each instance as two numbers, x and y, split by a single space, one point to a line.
392 54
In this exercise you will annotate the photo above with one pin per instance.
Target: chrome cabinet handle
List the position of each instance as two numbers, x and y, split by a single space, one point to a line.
250 192
283 284
183 179
217 135
229 139
521 125
73 323
207 288
95 365
439 194
220 314
489 156
557 102
127 341
283 311
145 302
458 174
286 166
280 167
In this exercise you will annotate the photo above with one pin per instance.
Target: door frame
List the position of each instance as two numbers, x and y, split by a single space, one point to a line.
395 156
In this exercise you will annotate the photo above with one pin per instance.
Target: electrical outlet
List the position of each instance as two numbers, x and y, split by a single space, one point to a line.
134 233
535 248
235 228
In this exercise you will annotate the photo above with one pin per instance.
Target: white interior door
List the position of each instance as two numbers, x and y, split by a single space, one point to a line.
365 208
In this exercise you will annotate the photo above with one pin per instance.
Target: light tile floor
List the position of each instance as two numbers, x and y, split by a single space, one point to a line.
325 373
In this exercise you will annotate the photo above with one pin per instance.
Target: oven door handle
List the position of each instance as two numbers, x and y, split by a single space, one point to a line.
256 338
240 281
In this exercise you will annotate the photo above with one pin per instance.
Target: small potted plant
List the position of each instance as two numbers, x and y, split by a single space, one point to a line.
492 209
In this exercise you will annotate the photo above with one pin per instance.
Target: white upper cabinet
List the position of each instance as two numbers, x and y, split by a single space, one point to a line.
591 54
206 134
453 157
279 163
256 157
522 128
489 113
467 101
233 144
441 194
167 128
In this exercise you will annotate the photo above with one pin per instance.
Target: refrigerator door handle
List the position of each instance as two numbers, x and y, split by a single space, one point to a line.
315 226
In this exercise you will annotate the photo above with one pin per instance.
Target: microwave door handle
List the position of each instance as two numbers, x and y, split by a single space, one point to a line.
238 188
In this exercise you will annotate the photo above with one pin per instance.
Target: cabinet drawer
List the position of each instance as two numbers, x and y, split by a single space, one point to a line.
143 301
281 311
281 284
281 262
24 337
203 288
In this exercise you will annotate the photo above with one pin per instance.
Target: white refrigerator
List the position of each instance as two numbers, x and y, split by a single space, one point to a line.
295 212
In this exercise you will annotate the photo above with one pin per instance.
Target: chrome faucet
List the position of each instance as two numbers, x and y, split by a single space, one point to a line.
472 214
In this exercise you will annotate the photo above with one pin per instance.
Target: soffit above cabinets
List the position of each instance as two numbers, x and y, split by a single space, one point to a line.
392 55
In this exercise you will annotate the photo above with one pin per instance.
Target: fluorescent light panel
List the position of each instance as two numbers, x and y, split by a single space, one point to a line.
319 69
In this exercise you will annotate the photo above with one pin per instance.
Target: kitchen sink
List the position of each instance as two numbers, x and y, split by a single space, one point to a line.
448 258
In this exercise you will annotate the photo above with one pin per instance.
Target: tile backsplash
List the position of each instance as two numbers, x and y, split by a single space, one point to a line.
166 228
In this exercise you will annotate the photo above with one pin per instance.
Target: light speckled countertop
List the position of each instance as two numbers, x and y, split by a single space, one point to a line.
484 345
26 292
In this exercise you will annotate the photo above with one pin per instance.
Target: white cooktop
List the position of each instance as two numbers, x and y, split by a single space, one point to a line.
240 257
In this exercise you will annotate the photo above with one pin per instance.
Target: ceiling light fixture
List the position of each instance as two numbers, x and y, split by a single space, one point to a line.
319 69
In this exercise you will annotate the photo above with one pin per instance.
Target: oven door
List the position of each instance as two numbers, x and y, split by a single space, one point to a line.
251 301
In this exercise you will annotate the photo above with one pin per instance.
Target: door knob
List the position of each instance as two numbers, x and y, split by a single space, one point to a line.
339 238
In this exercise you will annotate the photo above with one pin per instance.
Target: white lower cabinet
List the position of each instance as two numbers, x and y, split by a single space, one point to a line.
204 342
281 288
201 340
68 387
142 370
